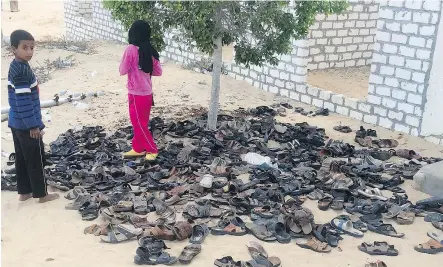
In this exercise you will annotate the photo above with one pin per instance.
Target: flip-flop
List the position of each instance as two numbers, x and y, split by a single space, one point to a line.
346 226
255 247
189 253
405 217
74 193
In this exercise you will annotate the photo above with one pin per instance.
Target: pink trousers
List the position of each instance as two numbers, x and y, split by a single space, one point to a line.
139 112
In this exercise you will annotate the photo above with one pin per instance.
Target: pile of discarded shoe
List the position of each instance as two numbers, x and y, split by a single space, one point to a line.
251 176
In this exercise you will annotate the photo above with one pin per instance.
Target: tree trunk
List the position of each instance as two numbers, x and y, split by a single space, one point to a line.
215 90
13 4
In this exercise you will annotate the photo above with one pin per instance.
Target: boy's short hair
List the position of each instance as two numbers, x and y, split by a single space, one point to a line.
20 35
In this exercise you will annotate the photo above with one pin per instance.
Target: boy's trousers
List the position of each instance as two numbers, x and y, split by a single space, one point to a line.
29 164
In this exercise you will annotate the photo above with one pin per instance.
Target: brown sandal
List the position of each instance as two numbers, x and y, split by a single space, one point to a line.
160 232
315 245
182 230
430 247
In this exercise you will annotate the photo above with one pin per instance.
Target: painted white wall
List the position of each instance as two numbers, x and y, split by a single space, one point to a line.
432 123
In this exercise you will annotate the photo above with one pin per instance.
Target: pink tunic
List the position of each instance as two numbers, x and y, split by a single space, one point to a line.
139 82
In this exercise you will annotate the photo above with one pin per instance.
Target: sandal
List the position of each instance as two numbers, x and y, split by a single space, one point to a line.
89 211
373 193
123 206
430 247
154 258
315 245
199 233
140 206
281 234
385 229
324 203
74 193
261 232
346 226
378 248
182 230
255 247
436 236
342 128
235 227
376 264
405 217
189 252
227 261
201 211
160 232
385 143
120 233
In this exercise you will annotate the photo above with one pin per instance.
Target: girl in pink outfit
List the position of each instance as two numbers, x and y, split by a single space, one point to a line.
140 62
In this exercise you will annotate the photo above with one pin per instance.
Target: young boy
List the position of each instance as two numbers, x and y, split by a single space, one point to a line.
25 121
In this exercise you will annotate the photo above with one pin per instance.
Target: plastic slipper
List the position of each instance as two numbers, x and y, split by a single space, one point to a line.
430 247
189 253
316 194
385 229
436 236
315 245
120 233
337 203
431 201
199 233
281 234
346 226
407 154
378 248
155 258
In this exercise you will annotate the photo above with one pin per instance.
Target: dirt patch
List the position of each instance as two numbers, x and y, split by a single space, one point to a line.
351 82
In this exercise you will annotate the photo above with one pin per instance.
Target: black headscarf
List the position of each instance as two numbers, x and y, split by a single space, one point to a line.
140 35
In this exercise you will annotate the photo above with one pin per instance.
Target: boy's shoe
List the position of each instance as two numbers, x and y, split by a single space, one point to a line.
133 154
151 156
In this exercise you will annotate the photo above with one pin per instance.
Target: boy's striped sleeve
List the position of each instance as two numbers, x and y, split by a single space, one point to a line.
24 106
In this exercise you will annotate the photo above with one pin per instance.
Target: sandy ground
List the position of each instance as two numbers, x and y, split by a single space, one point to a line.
351 82
48 235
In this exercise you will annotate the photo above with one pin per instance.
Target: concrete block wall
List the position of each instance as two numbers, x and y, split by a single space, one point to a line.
399 71
402 62
345 40
98 25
